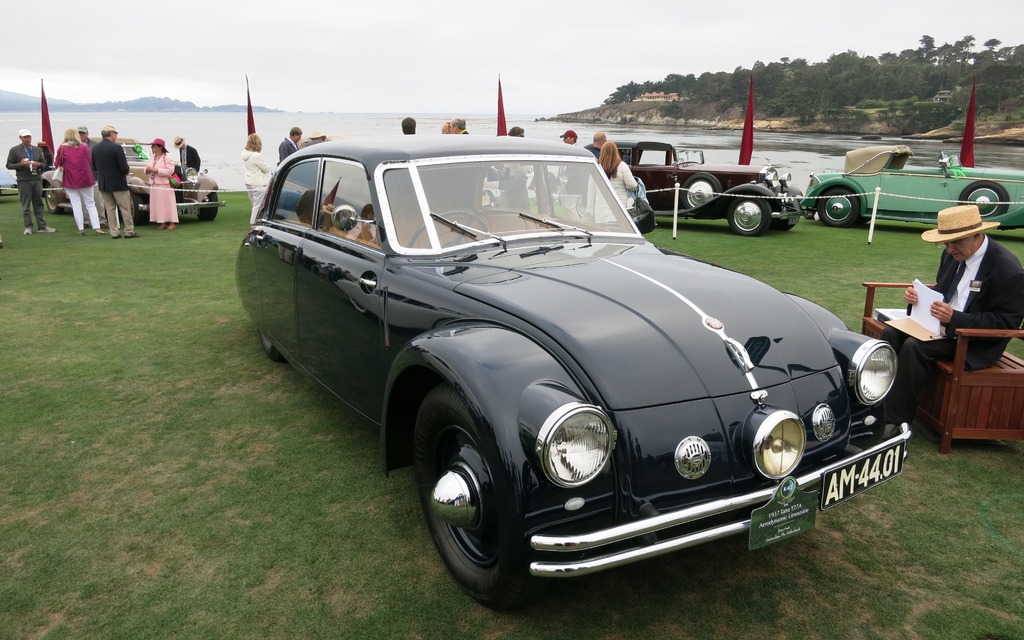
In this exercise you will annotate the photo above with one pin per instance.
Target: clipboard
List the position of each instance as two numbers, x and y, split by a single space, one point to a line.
911 327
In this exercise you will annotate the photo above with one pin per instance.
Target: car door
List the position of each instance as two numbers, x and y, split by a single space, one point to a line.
338 290
276 246
655 166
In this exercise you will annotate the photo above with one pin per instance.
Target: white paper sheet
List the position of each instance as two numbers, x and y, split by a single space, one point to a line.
921 312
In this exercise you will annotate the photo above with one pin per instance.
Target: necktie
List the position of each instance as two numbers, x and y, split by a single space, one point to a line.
951 292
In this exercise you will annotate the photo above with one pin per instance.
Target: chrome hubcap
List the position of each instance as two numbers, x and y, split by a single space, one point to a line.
456 497
748 216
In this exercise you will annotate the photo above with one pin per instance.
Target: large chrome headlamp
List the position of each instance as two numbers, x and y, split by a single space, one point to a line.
574 444
779 443
872 371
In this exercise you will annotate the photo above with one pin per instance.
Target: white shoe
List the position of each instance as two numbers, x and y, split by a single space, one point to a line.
28 231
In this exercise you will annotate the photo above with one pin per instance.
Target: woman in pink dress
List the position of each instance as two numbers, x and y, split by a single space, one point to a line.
73 157
159 168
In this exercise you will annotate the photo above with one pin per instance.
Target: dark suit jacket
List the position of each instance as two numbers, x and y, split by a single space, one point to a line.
997 302
190 157
111 166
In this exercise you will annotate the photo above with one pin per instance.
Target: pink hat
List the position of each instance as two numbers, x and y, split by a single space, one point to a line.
159 141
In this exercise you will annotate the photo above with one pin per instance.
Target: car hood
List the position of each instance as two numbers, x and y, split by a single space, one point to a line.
650 328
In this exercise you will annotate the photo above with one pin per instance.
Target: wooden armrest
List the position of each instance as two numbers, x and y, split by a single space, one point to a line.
964 336
869 297
990 333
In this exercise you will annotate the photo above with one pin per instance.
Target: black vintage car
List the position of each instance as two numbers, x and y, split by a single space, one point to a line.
753 198
571 397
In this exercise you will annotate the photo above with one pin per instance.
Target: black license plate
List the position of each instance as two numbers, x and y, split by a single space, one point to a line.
857 476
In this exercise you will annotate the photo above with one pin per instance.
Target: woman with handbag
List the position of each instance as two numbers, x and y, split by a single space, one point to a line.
74 170
160 168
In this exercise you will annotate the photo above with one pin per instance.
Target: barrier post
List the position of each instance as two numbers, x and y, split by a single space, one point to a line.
675 213
874 212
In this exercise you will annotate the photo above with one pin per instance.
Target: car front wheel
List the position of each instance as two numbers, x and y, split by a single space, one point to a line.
749 216
984 194
838 207
462 503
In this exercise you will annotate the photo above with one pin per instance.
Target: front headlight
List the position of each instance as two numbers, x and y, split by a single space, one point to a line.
872 371
779 444
574 444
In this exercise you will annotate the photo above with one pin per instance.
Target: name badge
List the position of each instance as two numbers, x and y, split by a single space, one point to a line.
975 285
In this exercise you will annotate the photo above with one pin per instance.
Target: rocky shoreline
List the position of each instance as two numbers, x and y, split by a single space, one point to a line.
1006 132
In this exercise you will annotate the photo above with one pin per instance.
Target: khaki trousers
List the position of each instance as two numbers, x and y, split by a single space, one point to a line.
113 201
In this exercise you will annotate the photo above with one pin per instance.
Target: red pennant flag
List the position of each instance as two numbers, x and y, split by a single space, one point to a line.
47 135
747 141
967 146
248 105
502 130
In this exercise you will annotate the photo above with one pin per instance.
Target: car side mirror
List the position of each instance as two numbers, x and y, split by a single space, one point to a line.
343 217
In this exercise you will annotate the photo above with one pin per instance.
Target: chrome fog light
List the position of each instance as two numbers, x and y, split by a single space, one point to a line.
574 444
779 444
872 371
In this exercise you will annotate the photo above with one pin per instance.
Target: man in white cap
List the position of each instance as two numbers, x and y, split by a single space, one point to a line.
27 161
982 284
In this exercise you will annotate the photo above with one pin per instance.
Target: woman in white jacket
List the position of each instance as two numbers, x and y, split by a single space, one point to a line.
257 173
618 172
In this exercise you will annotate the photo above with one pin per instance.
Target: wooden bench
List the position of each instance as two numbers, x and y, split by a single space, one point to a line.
986 404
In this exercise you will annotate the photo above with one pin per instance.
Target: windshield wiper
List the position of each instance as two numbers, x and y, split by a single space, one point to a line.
556 224
469 231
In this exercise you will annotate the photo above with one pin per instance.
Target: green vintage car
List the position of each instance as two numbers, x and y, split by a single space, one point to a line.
911 194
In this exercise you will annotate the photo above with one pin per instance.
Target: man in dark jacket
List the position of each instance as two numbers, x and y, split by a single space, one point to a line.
111 165
27 161
188 157
982 284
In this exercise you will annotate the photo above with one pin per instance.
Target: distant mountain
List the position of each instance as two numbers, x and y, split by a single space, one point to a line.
20 103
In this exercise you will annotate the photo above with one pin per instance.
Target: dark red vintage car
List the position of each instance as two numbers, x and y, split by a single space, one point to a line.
751 197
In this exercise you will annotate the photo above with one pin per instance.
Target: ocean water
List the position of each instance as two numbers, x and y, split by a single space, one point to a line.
220 137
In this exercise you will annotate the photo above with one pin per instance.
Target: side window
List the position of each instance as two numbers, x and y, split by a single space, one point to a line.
297 196
346 208
405 209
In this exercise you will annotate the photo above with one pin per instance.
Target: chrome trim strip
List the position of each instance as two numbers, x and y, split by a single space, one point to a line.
582 542
708 322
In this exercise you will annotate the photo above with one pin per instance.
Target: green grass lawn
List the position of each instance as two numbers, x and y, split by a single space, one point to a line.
160 478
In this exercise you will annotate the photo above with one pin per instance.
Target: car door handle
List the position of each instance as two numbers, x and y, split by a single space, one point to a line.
368 282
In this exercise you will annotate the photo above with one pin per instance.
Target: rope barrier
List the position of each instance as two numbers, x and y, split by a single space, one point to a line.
866 194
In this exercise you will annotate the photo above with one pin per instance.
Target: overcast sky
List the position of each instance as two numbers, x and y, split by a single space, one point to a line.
416 56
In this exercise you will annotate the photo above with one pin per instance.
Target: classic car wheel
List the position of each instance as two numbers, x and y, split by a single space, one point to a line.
208 213
140 216
700 189
984 194
268 347
51 198
461 503
838 207
749 216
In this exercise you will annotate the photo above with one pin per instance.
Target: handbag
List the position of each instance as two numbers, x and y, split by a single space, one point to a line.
642 212
58 175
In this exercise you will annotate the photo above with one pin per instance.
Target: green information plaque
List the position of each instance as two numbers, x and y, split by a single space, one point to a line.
788 513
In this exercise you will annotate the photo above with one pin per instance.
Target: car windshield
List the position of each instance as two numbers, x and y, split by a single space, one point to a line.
438 205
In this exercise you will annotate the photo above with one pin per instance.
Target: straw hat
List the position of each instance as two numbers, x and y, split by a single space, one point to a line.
958 222
179 142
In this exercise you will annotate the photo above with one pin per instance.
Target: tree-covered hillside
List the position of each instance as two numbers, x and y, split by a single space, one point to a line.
850 87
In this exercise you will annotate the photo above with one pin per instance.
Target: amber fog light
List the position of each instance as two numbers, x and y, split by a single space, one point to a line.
779 443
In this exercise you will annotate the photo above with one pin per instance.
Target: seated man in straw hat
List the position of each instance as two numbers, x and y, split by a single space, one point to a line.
983 288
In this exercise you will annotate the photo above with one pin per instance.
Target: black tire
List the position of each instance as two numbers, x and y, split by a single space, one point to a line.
477 554
699 188
749 216
982 193
138 215
208 213
268 347
838 207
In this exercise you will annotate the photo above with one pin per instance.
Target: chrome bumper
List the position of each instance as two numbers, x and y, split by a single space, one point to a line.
588 541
